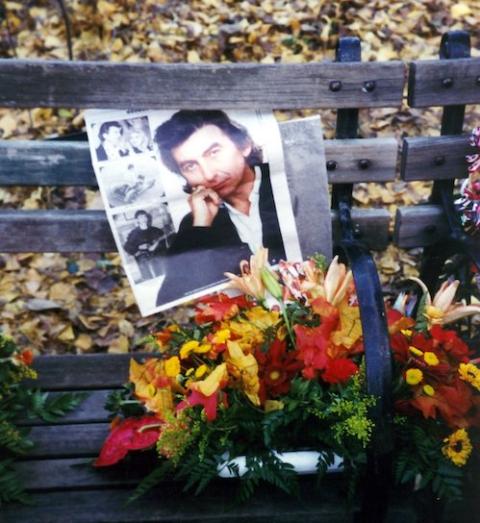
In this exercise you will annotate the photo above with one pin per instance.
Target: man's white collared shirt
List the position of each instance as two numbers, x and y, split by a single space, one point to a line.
249 227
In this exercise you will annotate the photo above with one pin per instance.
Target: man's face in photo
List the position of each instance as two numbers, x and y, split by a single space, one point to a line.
209 158
113 135
142 221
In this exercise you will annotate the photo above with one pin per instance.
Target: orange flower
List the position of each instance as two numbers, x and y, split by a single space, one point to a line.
337 281
442 310
152 385
250 282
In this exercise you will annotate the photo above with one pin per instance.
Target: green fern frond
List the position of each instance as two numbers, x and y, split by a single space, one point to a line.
151 480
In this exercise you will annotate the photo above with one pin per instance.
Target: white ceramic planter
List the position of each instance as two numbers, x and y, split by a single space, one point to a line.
303 461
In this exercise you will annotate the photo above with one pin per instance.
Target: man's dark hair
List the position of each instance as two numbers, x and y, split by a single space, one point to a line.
183 124
145 213
105 127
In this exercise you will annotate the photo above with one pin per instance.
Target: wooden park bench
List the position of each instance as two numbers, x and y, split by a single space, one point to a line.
58 472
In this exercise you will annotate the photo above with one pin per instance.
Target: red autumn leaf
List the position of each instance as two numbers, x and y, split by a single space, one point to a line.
219 307
126 436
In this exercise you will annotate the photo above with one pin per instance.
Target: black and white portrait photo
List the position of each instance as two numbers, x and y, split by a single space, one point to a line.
231 210
144 235
137 181
116 139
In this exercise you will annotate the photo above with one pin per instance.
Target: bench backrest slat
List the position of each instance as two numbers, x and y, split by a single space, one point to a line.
64 163
444 82
199 86
429 158
419 226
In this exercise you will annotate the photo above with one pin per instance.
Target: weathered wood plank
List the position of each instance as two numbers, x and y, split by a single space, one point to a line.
39 163
419 226
80 440
371 227
30 83
362 160
55 231
88 231
70 473
307 179
444 82
66 163
169 504
434 158
90 371
91 410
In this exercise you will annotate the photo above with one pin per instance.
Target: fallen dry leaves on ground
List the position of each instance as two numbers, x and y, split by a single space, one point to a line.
82 303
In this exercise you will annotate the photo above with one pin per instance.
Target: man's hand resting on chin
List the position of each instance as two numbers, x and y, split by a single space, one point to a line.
204 204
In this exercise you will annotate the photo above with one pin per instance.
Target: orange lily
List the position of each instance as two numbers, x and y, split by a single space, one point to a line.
337 282
250 282
441 310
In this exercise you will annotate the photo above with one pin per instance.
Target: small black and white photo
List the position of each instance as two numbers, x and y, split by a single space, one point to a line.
144 235
138 135
115 139
137 181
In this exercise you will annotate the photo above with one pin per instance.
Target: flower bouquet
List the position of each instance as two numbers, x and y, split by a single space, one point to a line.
280 367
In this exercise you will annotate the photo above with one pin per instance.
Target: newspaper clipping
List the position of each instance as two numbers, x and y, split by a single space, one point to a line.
188 195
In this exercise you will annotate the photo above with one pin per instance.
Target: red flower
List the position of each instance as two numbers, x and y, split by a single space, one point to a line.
311 349
324 309
209 403
397 321
339 370
26 357
163 337
400 344
451 343
218 307
451 402
277 367
126 436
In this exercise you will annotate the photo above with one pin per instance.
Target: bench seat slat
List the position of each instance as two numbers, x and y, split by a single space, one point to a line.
326 504
419 226
427 89
77 440
64 163
69 473
434 158
88 231
198 86
91 410
88 372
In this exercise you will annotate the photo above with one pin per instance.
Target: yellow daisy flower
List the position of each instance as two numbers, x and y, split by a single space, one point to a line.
413 376
458 447
431 358
470 373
